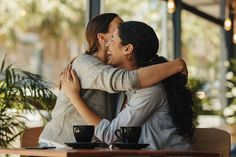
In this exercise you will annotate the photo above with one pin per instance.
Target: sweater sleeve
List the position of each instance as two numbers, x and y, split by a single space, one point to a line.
94 74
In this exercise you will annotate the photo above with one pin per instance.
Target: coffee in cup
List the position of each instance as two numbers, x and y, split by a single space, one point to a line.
129 134
83 133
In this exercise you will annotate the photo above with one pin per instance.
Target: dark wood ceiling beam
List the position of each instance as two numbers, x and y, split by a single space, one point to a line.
197 12
201 3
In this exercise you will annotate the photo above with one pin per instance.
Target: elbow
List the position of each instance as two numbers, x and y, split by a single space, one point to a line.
181 64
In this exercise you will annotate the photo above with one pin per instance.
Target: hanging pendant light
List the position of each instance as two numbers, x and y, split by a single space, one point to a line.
171 6
227 22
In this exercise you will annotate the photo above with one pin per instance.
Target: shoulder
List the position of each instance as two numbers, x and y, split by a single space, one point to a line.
84 58
156 89
150 97
153 94
87 62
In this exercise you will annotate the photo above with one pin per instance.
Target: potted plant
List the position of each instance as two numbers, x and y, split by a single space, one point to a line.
20 91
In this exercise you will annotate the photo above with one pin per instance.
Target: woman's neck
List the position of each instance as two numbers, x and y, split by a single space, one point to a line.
101 55
129 65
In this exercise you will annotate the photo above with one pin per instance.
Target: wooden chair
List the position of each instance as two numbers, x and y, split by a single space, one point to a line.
30 137
212 139
205 139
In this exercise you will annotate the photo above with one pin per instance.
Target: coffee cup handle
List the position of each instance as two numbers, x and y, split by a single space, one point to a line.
118 134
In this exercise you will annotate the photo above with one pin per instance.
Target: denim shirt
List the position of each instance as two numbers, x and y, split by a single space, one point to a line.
147 108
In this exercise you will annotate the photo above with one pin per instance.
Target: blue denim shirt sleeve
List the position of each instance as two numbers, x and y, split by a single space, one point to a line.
141 104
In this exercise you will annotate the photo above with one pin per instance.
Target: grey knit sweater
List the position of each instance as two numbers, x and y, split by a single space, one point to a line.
95 78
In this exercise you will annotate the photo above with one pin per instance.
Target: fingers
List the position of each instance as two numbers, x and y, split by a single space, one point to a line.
74 76
70 82
68 66
66 73
69 74
61 79
72 60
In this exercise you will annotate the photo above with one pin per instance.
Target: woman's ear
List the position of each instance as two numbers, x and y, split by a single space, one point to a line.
128 49
101 38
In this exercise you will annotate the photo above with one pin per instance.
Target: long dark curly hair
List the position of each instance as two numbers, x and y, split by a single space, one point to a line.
179 96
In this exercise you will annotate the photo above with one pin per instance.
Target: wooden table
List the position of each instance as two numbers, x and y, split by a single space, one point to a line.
101 152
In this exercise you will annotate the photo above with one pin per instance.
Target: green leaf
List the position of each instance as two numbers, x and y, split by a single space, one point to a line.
3 63
21 90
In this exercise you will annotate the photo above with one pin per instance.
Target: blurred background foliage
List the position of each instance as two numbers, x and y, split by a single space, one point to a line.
48 18
230 110
42 33
21 92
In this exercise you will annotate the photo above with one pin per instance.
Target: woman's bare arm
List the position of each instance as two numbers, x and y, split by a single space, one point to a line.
151 75
94 74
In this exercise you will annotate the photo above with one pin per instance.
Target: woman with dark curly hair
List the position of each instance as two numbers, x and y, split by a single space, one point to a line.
96 78
164 110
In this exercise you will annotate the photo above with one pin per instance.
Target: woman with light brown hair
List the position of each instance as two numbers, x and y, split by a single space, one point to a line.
97 77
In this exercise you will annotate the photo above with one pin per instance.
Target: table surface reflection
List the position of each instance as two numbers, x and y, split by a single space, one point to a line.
101 152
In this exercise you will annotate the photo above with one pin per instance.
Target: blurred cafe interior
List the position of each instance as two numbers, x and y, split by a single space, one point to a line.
42 36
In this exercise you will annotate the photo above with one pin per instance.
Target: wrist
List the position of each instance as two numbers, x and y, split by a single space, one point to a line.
74 96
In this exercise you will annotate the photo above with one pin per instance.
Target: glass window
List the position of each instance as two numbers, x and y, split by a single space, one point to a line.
152 12
42 35
203 50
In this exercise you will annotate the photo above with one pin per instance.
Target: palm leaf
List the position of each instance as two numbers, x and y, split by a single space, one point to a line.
3 63
20 90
